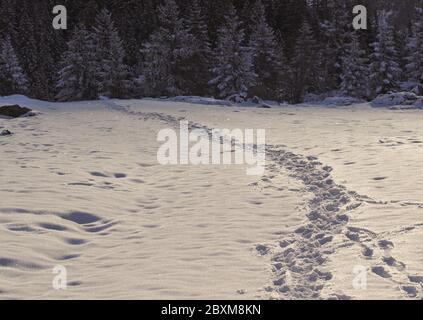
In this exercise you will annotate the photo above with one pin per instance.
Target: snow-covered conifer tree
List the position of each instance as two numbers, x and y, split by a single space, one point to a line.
166 54
304 73
112 72
415 50
336 31
268 58
354 75
199 61
233 71
12 77
384 66
77 77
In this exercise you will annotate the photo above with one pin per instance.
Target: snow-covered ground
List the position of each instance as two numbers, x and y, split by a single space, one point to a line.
80 186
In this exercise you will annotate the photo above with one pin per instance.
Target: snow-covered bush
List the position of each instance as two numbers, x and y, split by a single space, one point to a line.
238 98
397 99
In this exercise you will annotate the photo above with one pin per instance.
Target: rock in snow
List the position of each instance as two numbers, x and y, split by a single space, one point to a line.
5 133
14 111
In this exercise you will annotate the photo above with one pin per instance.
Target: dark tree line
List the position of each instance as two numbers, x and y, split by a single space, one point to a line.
273 49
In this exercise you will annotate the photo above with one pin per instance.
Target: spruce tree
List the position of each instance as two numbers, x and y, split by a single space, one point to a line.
136 20
414 58
287 19
304 65
77 77
215 12
199 62
47 45
336 34
26 48
233 71
12 78
354 75
385 71
267 58
112 72
166 54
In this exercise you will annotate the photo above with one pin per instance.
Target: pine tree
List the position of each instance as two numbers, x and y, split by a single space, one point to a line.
77 78
304 71
12 78
384 67
354 74
233 71
414 58
166 54
267 58
199 62
112 72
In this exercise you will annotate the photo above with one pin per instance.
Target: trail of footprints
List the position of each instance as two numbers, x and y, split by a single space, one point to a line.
299 259
376 248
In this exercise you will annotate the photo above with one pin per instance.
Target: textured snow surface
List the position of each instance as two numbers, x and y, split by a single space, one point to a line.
81 187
